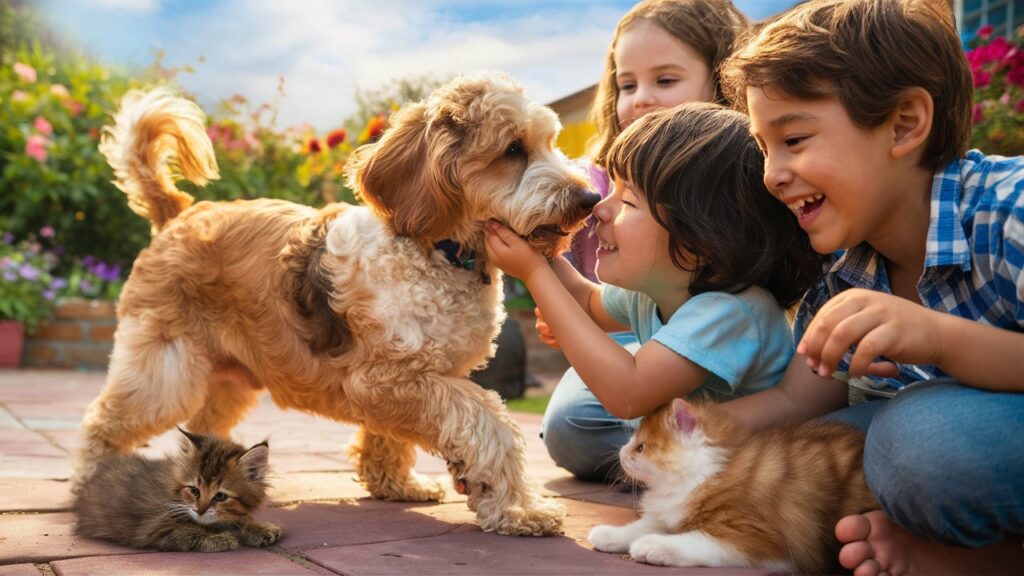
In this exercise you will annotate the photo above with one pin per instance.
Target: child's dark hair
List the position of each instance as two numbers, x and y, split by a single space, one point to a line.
703 176
866 54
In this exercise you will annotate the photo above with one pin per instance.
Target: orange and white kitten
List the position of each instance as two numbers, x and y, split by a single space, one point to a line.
721 495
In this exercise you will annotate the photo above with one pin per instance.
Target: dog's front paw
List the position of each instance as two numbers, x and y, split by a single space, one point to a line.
659 550
608 538
543 517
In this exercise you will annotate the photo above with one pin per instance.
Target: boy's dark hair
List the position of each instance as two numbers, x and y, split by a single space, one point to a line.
708 26
703 177
867 54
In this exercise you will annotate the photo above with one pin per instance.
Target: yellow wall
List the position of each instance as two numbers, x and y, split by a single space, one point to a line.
573 138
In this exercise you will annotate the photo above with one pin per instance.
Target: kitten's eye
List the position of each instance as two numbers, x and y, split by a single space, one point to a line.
515 149
640 448
220 497
194 491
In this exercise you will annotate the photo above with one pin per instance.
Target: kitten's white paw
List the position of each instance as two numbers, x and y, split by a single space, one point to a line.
609 538
659 550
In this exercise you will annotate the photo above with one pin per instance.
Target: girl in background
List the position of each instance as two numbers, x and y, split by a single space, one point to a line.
663 53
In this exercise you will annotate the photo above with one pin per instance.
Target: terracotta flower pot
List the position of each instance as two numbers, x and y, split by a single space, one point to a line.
12 340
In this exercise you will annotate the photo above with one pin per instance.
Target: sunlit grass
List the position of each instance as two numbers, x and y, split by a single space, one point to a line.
532 404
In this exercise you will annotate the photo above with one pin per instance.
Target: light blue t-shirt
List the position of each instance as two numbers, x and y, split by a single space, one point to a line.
743 340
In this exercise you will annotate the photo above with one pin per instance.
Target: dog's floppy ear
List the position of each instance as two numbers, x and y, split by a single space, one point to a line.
408 177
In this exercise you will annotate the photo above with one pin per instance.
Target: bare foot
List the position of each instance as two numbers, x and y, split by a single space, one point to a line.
873 544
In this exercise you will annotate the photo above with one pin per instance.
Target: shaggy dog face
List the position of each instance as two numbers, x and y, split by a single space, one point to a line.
474 150
373 315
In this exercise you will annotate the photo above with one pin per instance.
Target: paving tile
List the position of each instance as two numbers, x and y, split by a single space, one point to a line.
311 486
241 562
475 553
33 495
22 442
8 421
47 537
20 570
43 467
324 525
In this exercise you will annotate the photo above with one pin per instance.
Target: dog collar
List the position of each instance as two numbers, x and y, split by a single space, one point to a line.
453 253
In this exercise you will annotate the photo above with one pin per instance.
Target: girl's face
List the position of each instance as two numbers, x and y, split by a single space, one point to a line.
654 69
633 249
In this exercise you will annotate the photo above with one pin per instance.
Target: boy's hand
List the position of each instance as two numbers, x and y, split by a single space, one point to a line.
544 331
879 325
511 253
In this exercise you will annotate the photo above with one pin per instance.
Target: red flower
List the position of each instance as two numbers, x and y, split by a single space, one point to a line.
981 78
375 126
313 146
985 32
336 137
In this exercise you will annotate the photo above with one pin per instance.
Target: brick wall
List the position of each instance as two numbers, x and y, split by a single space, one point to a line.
80 335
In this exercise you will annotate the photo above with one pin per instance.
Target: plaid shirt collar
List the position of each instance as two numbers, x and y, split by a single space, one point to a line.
946 246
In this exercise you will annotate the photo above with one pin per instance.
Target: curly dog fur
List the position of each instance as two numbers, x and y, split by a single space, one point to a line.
351 312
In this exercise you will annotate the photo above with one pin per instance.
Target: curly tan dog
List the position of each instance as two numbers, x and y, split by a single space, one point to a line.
373 315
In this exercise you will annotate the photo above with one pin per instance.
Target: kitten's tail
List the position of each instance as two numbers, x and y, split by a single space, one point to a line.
156 138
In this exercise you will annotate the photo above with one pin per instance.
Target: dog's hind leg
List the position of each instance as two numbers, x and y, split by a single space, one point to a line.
384 466
153 382
231 391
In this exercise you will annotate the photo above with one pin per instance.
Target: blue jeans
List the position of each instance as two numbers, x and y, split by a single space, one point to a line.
946 461
580 435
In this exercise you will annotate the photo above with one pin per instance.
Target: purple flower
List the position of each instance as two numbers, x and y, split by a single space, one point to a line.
85 286
58 283
29 272
8 237
49 294
10 276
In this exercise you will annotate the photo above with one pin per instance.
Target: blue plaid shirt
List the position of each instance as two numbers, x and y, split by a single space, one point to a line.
974 260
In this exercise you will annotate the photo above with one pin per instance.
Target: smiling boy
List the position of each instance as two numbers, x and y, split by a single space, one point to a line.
862 108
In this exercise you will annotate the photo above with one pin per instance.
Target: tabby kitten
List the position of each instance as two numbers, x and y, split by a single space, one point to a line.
197 500
720 495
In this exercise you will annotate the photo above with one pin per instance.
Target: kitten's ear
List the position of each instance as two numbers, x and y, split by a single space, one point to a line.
682 416
194 440
255 462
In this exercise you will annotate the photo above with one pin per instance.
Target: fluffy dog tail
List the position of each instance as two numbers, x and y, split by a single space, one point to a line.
158 137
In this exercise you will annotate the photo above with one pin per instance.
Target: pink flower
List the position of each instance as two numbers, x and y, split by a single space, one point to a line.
59 91
978 114
25 72
46 232
74 106
18 96
981 78
985 32
36 147
43 126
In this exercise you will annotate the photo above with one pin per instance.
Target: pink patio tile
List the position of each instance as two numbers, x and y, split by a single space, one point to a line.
474 553
19 570
21 442
42 467
32 495
47 537
242 562
324 525
311 486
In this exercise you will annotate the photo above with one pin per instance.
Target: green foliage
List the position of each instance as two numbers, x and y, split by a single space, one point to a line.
382 100
531 404
997 66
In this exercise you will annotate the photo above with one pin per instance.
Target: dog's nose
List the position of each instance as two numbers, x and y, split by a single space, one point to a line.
589 199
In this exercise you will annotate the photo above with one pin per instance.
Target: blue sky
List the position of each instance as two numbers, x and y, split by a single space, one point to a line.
326 49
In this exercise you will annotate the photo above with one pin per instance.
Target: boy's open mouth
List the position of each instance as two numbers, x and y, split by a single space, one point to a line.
807 206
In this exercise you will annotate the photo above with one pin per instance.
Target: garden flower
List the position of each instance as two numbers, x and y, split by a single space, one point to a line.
43 126
336 137
35 147
313 146
19 96
25 72
59 91
46 231
29 272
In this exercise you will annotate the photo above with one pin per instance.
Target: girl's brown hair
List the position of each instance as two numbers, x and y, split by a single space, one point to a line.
866 54
708 26
702 175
